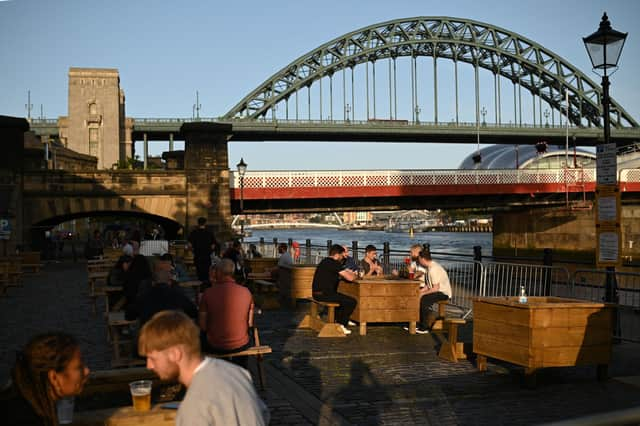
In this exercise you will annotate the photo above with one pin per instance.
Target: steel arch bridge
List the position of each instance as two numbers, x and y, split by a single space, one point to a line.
505 54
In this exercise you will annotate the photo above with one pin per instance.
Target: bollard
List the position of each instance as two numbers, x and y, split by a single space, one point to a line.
386 251
261 244
354 250
329 244
307 245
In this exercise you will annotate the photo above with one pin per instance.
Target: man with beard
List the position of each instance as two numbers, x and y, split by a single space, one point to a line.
218 392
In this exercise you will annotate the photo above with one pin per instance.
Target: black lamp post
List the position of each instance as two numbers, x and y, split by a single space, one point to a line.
242 169
604 48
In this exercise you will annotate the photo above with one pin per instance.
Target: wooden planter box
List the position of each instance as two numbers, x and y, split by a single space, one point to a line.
384 300
262 264
295 282
545 332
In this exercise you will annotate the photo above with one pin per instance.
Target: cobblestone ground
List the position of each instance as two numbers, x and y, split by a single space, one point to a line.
387 377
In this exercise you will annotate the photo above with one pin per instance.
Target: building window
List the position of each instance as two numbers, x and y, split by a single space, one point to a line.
93 141
93 108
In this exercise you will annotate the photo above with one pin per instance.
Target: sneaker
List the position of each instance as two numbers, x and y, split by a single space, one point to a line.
421 330
345 330
351 323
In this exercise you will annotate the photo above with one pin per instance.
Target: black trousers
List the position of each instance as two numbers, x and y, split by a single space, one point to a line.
346 308
202 268
425 305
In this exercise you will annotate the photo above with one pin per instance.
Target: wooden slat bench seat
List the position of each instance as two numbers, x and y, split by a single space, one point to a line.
257 350
451 349
312 320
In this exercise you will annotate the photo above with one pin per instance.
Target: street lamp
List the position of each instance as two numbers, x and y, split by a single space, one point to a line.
484 113
604 48
546 117
417 110
347 111
242 169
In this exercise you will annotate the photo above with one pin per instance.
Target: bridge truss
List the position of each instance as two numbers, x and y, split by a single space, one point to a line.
505 54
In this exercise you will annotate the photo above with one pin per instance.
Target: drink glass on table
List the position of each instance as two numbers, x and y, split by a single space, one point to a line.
141 395
64 408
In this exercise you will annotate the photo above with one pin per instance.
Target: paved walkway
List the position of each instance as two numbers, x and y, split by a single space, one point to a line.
387 377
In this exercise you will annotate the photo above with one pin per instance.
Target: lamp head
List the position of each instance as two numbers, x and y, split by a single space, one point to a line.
605 45
242 167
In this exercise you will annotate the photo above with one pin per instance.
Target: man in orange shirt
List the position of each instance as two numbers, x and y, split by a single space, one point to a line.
226 313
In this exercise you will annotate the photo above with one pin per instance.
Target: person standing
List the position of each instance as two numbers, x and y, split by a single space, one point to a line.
218 392
202 243
48 369
437 287
325 285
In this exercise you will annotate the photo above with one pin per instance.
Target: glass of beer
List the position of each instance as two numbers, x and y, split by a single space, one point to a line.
141 395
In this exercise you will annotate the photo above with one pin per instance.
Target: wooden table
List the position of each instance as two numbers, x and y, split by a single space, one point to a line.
545 332
126 416
386 299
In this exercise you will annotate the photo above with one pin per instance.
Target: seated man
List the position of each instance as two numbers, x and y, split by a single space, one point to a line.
418 270
369 264
226 313
349 262
437 287
325 285
285 256
163 296
218 393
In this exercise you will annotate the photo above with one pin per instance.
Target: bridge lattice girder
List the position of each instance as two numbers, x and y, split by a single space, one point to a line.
537 69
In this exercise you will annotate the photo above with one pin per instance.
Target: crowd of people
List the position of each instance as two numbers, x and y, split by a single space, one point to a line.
175 331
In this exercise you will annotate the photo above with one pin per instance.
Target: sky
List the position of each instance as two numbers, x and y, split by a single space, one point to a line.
165 51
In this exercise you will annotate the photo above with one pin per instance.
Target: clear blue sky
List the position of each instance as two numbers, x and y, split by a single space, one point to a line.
165 51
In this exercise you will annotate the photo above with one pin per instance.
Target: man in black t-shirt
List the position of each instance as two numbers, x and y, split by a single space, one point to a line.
325 285
202 243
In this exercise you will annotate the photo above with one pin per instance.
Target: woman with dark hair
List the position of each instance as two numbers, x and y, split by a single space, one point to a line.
48 369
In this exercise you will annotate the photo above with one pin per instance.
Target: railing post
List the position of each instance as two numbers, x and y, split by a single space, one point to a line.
275 247
354 250
329 244
307 245
547 260
386 252
261 243
477 267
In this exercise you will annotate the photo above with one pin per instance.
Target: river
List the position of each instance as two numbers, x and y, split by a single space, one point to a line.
440 242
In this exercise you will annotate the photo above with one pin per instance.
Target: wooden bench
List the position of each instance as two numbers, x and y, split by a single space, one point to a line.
438 324
268 293
313 321
451 349
117 325
31 260
256 350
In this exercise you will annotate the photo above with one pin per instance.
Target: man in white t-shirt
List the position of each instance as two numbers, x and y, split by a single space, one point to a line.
437 287
218 392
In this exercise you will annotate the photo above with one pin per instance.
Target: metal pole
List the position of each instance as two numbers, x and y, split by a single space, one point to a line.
395 90
390 93
353 96
344 93
455 68
477 84
519 101
435 87
331 96
611 292
566 143
413 87
320 81
374 87
242 208
366 78
499 100
309 102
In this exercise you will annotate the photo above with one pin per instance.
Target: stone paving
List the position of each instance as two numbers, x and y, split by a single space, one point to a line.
387 377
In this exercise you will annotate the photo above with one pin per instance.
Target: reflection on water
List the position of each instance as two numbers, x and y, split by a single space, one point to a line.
441 242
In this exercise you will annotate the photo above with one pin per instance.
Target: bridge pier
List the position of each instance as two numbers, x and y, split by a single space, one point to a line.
570 233
206 166
11 183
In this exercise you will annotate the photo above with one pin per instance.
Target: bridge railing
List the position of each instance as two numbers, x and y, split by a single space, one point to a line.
351 178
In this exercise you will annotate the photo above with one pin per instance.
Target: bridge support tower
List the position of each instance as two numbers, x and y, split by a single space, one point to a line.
206 168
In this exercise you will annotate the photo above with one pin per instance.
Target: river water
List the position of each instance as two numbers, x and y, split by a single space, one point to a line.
440 242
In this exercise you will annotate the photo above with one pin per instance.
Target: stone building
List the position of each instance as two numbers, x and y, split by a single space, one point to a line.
96 124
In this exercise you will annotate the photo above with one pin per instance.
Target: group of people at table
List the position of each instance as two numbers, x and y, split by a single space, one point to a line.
434 281
174 336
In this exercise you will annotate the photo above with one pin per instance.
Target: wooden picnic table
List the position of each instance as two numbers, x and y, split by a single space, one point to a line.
384 299
126 416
